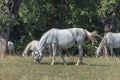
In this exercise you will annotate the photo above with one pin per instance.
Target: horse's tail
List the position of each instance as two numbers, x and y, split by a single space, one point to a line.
91 35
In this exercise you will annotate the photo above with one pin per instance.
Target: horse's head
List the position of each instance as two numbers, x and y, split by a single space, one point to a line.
98 52
37 56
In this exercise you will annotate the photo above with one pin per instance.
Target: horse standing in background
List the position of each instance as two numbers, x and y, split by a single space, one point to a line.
110 40
63 39
10 48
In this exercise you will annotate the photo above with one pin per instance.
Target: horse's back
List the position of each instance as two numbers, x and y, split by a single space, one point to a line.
113 39
33 44
10 43
66 37
59 36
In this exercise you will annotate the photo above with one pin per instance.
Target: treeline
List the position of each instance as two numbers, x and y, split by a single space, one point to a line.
37 16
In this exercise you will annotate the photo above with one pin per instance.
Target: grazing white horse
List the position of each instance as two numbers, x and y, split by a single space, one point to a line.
32 47
63 39
10 47
110 40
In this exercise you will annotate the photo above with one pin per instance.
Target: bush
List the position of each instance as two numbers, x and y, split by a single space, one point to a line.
89 49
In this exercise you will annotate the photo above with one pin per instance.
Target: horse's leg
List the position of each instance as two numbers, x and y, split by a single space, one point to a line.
32 54
49 50
111 51
60 53
54 47
79 61
106 53
10 52
13 51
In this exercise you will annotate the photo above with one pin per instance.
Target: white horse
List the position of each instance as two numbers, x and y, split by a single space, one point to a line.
63 39
10 47
110 40
31 47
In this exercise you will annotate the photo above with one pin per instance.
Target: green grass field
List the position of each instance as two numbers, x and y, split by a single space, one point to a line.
21 68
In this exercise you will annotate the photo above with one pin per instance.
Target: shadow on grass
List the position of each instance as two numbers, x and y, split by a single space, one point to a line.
73 63
59 63
102 65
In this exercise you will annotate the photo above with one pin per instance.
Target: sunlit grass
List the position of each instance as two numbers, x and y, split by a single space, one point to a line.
22 68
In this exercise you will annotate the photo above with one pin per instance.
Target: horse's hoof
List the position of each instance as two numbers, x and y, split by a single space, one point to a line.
52 63
79 63
65 64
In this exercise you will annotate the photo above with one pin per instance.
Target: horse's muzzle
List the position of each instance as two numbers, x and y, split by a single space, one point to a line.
36 61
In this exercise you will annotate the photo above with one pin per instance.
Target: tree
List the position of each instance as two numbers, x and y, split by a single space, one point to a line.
109 12
9 11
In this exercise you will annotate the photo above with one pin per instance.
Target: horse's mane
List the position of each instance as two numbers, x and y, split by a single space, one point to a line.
102 43
42 42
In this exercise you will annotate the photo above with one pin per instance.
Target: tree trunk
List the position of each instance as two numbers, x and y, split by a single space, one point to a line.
109 25
16 6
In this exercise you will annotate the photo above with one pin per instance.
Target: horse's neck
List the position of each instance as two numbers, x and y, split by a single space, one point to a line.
42 43
103 42
27 49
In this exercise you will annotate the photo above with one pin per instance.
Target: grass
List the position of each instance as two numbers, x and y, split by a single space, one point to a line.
21 68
